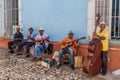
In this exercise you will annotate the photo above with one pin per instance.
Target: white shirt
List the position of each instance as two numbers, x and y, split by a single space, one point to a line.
43 36
31 36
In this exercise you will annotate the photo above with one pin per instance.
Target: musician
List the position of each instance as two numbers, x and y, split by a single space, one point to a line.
17 37
42 41
71 49
28 41
103 35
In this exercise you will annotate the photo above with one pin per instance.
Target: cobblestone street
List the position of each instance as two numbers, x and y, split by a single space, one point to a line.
14 67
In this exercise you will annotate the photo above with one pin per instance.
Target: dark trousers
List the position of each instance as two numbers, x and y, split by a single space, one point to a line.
28 45
104 61
12 45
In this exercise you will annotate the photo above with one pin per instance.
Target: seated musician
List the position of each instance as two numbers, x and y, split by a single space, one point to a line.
16 39
42 41
103 35
69 48
28 41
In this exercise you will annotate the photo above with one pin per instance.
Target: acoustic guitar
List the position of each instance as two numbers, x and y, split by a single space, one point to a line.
66 45
39 41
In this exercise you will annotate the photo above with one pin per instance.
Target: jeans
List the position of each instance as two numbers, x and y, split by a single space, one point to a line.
28 45
38 50
69 51
104 61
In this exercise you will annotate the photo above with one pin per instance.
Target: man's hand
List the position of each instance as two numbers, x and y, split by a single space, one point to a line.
28 37
98 17
18 38
95 35
47 38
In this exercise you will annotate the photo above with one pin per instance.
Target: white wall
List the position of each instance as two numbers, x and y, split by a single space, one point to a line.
1 18
91 17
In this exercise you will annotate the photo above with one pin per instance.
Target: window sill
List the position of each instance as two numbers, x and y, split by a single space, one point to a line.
114 42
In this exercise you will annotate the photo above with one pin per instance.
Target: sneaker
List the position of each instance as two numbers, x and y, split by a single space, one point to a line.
72 67
27 55
58 66
19 53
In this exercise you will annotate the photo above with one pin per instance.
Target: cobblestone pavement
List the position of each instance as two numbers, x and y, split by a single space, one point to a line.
14 67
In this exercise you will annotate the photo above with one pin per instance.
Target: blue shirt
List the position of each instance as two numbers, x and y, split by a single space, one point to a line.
17 35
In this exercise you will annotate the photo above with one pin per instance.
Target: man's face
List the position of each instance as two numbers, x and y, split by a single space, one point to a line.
70 36
102 27
17 29
30 31
41 31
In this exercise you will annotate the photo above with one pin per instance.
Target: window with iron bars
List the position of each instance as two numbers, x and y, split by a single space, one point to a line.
112 20
115 28
9 10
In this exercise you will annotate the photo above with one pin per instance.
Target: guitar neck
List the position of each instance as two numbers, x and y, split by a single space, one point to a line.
79 39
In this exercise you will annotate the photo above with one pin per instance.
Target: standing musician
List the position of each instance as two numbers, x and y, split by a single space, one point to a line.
42 41
103 35
68 47
17 37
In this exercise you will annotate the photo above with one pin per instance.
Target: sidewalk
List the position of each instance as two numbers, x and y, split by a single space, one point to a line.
14 67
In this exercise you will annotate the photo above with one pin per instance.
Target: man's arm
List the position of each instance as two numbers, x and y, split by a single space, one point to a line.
33 37
21 37
62 41
46 37
36 38
101 37
105 36
76 43
97 36
14 37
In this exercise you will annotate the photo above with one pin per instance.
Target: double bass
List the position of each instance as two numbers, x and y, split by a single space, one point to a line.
92 62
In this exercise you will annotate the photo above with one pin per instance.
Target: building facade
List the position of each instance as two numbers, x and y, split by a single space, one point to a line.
110 12
9 16
58 17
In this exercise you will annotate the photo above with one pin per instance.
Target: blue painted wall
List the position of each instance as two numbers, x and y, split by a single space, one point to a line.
57 17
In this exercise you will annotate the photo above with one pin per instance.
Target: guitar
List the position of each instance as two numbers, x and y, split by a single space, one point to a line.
66 45
39 41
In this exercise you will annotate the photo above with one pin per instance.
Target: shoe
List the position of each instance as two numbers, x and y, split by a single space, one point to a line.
103 74
34 59
58 66
27 55
40 59
11 52
72 67
19 53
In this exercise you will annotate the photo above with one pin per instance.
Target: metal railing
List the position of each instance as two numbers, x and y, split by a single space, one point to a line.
115 28
103 7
